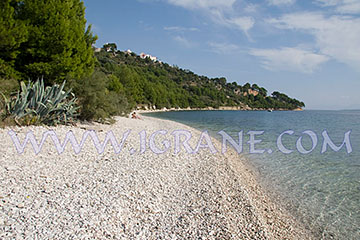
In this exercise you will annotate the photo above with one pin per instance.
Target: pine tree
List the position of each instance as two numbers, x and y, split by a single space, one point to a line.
58 45
12 34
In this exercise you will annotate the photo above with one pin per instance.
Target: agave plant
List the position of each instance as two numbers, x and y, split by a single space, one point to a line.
37 104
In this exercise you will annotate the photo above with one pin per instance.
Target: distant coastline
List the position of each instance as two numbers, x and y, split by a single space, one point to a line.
225 108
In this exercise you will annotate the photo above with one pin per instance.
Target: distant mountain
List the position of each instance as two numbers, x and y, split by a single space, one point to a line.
150 83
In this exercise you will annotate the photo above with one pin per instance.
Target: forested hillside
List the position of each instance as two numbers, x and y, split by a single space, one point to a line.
46 48
153 83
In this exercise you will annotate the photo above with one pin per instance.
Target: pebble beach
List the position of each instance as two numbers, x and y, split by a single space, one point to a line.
133 195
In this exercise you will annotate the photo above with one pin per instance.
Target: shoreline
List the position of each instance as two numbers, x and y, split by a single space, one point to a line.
266 200
134 195
210 109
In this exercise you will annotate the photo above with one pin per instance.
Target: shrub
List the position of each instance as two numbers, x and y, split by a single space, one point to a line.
35 104
97 100
8 86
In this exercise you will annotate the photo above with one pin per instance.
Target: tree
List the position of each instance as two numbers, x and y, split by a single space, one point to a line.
96 101
263 91
12 34
58 44
246 86
255 87
222 81
132 84
110 47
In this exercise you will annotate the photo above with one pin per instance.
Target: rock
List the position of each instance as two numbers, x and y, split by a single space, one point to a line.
20 205
11 168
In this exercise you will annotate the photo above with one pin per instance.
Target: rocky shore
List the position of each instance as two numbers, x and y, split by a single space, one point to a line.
132 195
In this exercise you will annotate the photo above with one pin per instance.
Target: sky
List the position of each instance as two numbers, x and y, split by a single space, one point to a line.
309 50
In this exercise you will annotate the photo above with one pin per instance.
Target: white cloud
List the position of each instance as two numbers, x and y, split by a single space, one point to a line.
349 8
342 6
251 8
281 2
184 41
243 23
289 59
181 29
220 12
327 3
203 4
223 48
336 36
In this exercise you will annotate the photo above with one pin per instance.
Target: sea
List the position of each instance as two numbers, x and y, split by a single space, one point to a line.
317 185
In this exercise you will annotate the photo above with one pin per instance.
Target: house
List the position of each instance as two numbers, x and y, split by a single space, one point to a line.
251 92
152 58
110 47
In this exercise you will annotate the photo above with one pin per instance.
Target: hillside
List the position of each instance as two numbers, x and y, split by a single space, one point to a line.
152 84
41 54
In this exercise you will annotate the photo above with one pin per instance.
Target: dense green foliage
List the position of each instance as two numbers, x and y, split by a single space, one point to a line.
50 40
35 104
146 82
99 97
13 33
45 39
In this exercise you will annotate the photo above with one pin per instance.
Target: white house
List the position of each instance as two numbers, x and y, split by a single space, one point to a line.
96 49
143 56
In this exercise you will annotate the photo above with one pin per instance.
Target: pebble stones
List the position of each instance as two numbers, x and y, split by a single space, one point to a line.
130 195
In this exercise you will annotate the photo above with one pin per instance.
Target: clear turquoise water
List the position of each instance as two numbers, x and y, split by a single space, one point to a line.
321 190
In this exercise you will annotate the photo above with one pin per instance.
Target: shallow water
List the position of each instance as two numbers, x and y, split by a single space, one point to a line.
321 189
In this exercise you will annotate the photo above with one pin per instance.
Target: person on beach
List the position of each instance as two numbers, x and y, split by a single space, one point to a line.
135 116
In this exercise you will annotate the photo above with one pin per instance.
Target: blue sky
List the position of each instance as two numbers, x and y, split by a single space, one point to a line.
309 50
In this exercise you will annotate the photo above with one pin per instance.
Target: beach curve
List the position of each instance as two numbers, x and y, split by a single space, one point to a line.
132 195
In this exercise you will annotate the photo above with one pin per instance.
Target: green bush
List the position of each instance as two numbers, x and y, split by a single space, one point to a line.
98 98
8 86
